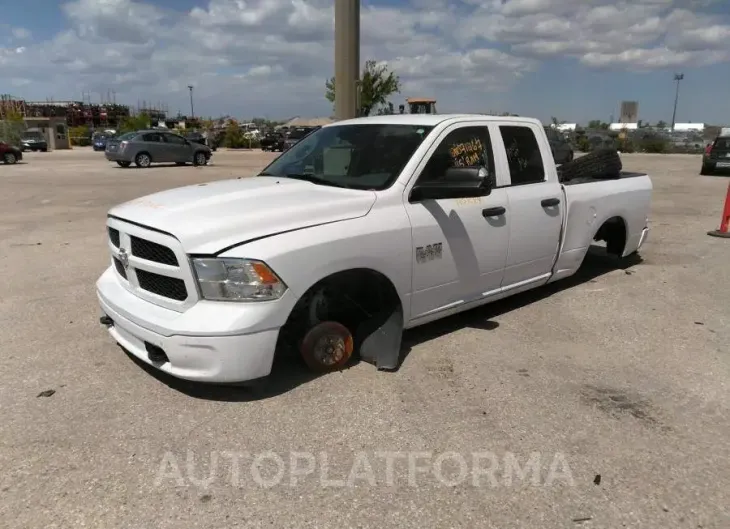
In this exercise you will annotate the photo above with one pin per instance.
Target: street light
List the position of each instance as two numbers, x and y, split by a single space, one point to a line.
192 110
677 77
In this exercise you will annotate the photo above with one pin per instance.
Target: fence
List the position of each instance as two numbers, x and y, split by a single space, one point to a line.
641 140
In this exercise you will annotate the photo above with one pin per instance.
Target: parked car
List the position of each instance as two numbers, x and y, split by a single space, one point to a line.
146 147
273 141
34 140
10 154
559 146
198 137
364 228
716 156
296 134
98 141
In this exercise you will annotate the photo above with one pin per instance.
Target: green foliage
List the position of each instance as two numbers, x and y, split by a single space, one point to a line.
583 144
661 124
653 144
80 136
625 145
132 123
597 124
234 138
12 127
377 84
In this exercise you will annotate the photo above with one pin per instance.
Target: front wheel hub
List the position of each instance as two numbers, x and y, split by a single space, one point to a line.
328 346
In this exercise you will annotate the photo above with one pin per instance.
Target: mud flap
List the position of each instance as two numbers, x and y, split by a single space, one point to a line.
380 339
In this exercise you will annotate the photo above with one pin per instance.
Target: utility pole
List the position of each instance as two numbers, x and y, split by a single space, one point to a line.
677 77
192 110
347 57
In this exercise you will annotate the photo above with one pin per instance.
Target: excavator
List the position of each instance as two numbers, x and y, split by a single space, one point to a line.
419 105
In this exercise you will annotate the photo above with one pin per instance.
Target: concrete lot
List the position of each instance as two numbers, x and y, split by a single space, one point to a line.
618 373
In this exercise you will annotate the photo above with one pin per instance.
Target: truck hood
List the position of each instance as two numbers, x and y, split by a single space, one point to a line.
209 218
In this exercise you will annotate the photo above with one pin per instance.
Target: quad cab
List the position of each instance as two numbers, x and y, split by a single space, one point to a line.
360 230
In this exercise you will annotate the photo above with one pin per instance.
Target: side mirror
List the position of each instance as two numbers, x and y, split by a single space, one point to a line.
457 182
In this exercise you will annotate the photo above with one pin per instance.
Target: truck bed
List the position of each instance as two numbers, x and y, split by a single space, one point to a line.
589 179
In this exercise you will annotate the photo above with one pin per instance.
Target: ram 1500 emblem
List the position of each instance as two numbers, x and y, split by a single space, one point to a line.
429 252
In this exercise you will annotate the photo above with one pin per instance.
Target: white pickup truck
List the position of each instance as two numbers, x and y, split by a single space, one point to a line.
364 228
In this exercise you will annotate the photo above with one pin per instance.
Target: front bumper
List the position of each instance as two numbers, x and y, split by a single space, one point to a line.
219 342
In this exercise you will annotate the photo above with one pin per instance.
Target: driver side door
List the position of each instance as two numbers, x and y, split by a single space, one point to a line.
459 245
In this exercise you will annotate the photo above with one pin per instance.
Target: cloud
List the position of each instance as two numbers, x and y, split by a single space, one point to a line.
272 56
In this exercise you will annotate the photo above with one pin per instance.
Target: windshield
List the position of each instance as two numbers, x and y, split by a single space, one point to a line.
128 136
32 136
352 156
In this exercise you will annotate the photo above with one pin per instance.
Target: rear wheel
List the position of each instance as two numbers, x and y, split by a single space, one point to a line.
705 170
142 160
10 158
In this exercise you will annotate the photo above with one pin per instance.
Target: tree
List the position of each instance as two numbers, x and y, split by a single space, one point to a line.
12 127
133 123
661 124
377 84
597 124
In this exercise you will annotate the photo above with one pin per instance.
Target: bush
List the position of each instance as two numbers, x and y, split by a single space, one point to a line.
80 136
234 138
653 144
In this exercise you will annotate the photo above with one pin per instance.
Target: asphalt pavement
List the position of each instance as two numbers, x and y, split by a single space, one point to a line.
599 401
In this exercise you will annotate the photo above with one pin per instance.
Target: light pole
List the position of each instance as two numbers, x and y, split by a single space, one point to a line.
192 110
677 77
347 57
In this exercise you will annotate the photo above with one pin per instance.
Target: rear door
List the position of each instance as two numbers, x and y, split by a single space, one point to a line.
153 143
178 148
535 205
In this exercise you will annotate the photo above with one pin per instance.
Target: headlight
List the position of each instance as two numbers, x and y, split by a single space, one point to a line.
227 279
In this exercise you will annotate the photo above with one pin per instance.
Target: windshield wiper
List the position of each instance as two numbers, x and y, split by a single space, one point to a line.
309 177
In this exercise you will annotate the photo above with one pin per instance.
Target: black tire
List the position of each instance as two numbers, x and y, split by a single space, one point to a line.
599 164
44 149
142 160
200 158
705 171
10 158
124 164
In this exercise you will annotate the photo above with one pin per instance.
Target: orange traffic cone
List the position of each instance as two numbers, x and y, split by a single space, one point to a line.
725 220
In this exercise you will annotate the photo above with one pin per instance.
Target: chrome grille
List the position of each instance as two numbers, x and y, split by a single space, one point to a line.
151 265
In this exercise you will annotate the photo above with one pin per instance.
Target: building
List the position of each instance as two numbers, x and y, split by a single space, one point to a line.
565 127
684 127
54 129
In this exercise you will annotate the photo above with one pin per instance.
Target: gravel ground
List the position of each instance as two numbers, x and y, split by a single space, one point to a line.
601 401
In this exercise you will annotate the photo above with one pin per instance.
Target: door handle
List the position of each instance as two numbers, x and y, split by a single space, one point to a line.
493 212
550 202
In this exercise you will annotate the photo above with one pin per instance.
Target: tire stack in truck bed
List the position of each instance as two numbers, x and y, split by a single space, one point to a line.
601 164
